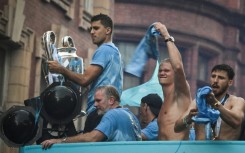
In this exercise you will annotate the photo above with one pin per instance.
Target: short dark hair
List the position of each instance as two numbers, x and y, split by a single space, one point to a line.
104 19
154 101
224 67
110 91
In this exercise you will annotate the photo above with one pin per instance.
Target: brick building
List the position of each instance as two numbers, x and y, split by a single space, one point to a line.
207 32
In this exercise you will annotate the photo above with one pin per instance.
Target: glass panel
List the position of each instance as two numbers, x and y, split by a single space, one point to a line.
127 50
202 67
163 52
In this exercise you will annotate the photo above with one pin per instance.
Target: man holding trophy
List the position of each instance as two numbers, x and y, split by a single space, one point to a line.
104 69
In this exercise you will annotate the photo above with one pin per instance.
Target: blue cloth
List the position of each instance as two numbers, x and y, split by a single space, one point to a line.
109 58
151 130
120 124
205 111
192 134
147 48
132 96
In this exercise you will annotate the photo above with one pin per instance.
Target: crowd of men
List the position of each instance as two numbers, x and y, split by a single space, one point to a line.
168 119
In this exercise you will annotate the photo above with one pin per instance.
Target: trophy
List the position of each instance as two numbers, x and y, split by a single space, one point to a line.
69 57
51 114
65 55
48 42
61 100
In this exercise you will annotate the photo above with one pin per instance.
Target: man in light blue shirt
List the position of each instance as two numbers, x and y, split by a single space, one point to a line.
105 68
120 124
108 57
117 124
149 110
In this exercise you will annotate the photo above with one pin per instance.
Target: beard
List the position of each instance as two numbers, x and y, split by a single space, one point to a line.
102 112
221 90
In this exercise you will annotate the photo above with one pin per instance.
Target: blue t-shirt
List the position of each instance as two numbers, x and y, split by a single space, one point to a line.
120 124
151 130
109 58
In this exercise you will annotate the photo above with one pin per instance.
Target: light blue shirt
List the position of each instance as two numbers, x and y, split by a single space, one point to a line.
109 58
151 130
120 124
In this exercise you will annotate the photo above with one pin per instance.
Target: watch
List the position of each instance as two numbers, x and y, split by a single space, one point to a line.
217 104
64 139
170 38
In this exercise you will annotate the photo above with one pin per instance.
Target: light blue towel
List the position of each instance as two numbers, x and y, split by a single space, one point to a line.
147 48
205 111
132 96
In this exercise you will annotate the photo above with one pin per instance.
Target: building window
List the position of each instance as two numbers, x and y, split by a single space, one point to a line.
86 11
202 68
163 53
88 6
202 76
66 5
127 50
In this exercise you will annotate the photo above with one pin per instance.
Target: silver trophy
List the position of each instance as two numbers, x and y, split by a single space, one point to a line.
48 42
65 55
69 57
62 99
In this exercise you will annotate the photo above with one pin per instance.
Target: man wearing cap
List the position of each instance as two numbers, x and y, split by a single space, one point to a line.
149 110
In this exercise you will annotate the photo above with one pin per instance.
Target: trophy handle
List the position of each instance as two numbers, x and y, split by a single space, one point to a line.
67 41
48 42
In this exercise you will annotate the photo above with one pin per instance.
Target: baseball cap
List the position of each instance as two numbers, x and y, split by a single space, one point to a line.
154 101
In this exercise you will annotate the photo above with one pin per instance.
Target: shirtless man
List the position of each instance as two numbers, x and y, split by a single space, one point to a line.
175 88
231 112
